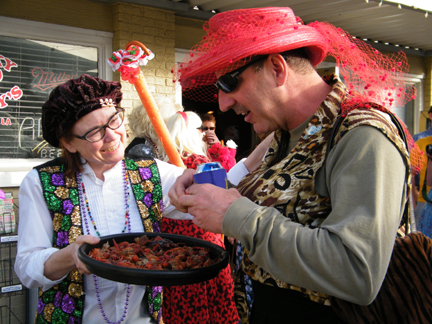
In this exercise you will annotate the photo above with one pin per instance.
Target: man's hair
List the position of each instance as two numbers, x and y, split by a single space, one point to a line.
297 59
208 117
430 110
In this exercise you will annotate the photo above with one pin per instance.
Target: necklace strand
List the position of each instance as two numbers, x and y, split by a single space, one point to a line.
83 200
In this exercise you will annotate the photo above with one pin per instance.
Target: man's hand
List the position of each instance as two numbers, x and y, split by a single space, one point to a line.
211 138
179 187
208 204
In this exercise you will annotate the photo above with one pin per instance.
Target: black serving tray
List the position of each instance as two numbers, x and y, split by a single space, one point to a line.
154 277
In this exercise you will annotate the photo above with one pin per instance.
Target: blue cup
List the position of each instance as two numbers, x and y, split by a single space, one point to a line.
211 173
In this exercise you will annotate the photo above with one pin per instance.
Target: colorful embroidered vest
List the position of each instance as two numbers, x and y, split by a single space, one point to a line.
64 302
289 186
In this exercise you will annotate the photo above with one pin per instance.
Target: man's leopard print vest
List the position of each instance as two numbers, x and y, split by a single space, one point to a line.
289 186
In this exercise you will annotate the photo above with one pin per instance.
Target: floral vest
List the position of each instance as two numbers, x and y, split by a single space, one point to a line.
64 302
289 186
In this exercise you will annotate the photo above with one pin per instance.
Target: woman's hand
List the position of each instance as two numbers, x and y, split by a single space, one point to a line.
63 261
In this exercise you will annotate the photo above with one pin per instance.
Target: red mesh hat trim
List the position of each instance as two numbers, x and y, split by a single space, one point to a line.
233 37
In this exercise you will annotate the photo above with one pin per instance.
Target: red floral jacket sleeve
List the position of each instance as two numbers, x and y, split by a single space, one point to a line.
222 154
191 161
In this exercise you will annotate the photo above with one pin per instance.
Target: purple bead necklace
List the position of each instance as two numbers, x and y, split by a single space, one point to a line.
84 205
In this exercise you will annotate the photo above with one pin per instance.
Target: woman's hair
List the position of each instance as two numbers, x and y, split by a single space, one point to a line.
185 134
72 161
141 126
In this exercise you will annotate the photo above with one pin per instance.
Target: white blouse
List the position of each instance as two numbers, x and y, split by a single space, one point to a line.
107 206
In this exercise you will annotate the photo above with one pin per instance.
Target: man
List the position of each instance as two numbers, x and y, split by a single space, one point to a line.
421 189
216 151
312 226
427 132
209 128
417 192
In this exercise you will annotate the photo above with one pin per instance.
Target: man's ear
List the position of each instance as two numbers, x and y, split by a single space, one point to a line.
280 68
68 146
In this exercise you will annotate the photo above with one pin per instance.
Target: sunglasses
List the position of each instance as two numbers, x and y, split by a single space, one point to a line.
202 128
229 82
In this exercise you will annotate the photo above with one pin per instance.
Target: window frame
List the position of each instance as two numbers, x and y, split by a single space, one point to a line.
13 171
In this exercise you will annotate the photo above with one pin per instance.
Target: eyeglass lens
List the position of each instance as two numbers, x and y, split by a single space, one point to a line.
208 128
229 82
98 133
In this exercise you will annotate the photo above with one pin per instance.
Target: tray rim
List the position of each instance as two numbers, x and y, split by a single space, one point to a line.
153 277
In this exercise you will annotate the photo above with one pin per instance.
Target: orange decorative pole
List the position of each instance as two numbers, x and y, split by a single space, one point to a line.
128 63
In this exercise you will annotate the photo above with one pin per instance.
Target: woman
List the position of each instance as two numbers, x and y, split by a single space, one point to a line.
146 141
212 301
91 191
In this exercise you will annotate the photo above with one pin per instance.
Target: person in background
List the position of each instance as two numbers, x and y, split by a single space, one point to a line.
427 132
212 301
145 140
421 189
425 218
314 226
216 151
86 194
419 200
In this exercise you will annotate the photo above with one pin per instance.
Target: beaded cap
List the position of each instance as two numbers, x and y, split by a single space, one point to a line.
72 100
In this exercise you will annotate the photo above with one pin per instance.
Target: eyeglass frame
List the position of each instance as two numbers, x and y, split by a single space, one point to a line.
203 128
221 85
104 127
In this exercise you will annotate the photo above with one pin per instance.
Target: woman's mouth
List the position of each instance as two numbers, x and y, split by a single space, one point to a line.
112 148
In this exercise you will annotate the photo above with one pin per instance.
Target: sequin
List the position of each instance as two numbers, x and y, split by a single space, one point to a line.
75 290
70 182
59 317
148 200
147 186
74 232
79 308
57 221
144 212
157 193
62 192
48 311
134 177
49 297
138 192
74 196
57 299
76 217
53 202
41 306
74 320
68 304
144 163
130 165
58 179
145 173
155 177
67 206
62 239
46 181
75 276
66 223
148 225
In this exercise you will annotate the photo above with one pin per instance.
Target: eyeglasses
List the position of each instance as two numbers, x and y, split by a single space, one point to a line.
203 128
229 82
98 133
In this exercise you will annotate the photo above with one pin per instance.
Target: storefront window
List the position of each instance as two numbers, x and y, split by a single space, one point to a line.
29 70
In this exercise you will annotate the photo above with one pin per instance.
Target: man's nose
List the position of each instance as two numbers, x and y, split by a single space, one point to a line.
226 101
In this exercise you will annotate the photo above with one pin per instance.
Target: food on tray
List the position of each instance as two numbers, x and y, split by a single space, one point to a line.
153 254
